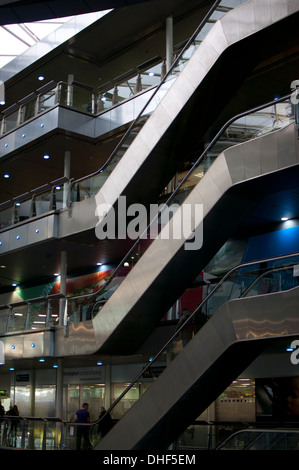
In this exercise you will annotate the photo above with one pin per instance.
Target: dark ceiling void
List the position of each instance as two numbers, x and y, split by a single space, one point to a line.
25 11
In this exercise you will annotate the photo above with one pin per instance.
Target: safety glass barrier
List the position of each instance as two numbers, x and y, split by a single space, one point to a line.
17 318
32 205
243 129
259 278
234 285
124 90
30 433
33 314
4 316
256 439
6 217
85 307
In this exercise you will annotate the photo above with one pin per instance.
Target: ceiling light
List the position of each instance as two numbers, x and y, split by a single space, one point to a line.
14 284
6 175
41 77
2 103
46 157
284 219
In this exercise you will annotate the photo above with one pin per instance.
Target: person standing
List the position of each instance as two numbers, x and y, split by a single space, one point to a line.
82 416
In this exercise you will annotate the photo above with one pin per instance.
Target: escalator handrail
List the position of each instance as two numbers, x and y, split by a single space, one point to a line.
189 319
177 189
164 79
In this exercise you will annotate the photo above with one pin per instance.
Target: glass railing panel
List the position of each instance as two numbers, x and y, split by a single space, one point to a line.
34 434
81 99
42 204
46 101
6 217
4 315
28 110
17 318
85 307
11 121
37 315
23 211
241 130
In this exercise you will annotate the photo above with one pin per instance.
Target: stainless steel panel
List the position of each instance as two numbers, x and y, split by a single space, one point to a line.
37 344
29 233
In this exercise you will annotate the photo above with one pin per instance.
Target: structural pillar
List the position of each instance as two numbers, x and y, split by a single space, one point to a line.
169 42
63 277
67 174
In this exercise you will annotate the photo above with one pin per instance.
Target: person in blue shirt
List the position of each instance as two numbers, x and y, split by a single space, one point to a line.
82 416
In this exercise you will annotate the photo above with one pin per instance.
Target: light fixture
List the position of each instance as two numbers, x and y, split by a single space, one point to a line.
6 175
283 219
99 264
46 157
36 230
99 363
55 366
12 368
152 74
14 284
41 360
2 103
41 78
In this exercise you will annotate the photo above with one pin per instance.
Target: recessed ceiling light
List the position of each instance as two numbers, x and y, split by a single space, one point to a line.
284 218
2 103
6 175
41 77
46 157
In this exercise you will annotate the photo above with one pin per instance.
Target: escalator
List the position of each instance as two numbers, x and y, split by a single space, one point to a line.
167 267
172 123
253 307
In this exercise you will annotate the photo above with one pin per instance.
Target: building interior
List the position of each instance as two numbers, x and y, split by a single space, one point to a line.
149 217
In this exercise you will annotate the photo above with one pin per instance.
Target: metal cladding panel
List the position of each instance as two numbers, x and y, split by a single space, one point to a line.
35 231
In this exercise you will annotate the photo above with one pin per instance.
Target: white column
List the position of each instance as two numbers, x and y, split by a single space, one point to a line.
169 42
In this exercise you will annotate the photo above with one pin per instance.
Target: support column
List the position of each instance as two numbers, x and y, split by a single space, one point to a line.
169 42
63 277
32 393
107 386
67 174
59 389
69 97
